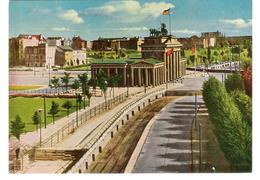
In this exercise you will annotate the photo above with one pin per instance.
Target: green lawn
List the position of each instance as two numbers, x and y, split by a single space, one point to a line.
78 68
25 107
25 87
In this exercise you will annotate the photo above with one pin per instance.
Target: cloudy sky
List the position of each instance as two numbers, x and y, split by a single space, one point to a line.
116 18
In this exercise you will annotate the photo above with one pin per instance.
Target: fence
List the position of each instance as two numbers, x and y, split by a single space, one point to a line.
58 90
101 138
81 119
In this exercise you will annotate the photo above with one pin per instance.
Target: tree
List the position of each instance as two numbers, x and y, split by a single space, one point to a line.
65 80
112 82
75 85
247 77
89 95
103 83
67 105
79 101
244 104
94 83
234 135
36 119
233 82
17 127
54 110
209 55
55 82
84 85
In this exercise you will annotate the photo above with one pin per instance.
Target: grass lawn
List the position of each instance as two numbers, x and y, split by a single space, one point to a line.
25 107
78 68
16 88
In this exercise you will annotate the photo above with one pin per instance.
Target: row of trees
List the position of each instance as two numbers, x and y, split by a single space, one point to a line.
230 111
102 81
214 55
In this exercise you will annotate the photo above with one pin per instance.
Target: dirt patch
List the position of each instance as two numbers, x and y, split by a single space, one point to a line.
118 151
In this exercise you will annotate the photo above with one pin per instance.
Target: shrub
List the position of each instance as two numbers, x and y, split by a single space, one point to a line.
233 82
244 104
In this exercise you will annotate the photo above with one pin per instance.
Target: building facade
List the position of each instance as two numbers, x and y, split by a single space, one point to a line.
64 56
161 62
35 56
79 57
18 44
105 44
79 43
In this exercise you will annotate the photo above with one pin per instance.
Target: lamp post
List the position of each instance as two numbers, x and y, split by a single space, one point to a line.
127 84
49 66
40 112
77 99
44 103
166 79
105 93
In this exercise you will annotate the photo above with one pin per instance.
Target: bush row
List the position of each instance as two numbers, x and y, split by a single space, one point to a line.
234 134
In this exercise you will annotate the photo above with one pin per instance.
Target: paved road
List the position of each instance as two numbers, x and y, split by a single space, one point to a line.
168 145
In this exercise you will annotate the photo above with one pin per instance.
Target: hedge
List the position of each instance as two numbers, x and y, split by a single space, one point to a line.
234 134
244 104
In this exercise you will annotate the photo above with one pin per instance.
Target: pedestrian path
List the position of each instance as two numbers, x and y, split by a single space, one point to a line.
168 145
30 139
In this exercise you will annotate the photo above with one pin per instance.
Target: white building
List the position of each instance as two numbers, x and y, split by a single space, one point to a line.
79 57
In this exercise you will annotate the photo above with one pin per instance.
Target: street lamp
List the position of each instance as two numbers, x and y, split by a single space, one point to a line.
49 66
127 85
166 78
40 112
77 99
105 93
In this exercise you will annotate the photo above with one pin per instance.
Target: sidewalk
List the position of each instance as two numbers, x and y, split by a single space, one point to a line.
30 139
82 135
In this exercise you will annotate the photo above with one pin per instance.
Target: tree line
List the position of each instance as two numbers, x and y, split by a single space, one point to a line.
102 81
230 111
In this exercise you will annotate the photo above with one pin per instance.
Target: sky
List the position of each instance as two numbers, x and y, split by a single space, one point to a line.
92 19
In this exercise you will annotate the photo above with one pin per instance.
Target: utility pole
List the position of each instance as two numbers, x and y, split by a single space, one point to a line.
44 103
40 111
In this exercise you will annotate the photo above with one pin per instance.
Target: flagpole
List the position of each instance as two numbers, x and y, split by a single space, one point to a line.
170 22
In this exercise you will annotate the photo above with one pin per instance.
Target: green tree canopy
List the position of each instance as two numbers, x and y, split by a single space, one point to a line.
54 110
233 82
67 105
17 127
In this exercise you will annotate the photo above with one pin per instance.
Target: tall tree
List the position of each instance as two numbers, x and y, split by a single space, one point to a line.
65 80
94 83
36 119
75 85
233 82
17 127
67 105
54 110
112 82
55 82
84 85
103 83
209 55
79 101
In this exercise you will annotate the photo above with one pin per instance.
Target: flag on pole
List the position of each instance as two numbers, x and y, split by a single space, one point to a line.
193 50
169 52
166 12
